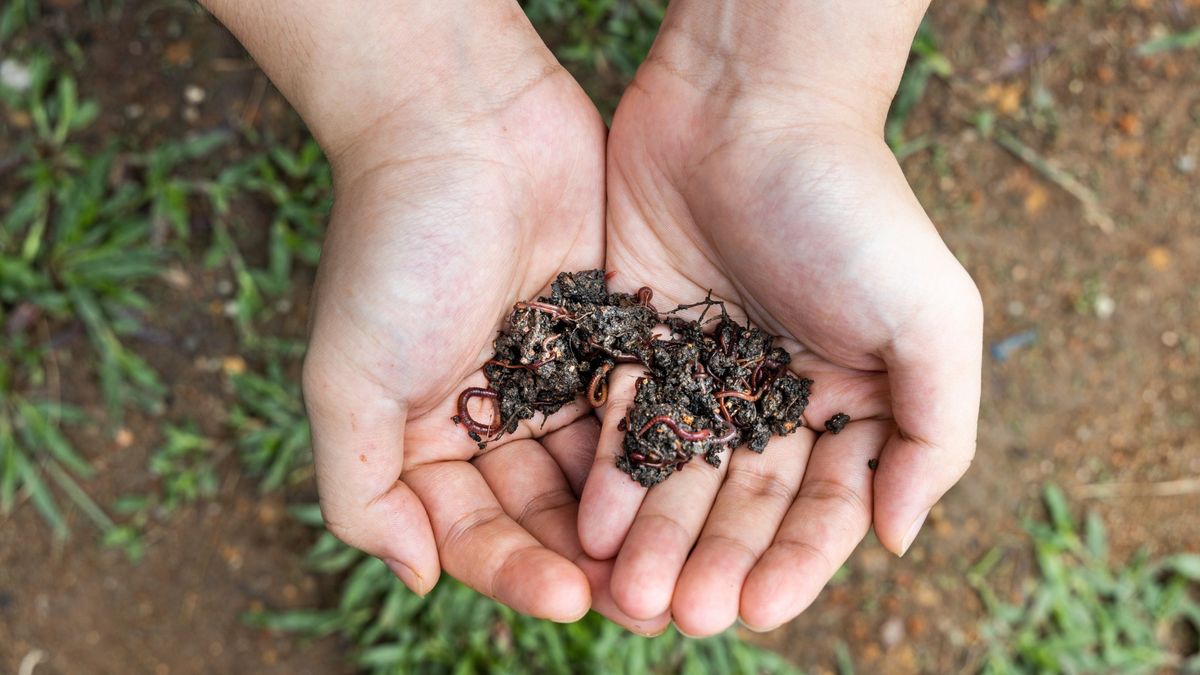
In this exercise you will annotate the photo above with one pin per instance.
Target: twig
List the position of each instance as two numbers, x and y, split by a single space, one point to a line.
254 101
1169 488
32 660
1093 211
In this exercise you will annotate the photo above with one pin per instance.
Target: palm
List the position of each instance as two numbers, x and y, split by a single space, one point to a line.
429 248
782 220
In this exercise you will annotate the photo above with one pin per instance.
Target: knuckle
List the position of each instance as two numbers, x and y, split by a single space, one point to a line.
802 548
760 484
839 495
546 502
469 523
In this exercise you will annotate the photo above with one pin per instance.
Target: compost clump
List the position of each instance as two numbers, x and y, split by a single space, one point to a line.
710 383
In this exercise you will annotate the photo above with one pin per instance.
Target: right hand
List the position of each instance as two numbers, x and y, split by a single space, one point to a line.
441 223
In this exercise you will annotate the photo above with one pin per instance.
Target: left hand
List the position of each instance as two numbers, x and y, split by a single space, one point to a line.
795 213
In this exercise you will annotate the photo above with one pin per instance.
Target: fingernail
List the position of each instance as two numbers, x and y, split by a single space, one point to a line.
414 581
753 629
913 530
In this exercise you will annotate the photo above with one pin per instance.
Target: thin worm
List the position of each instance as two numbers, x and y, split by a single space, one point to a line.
465 417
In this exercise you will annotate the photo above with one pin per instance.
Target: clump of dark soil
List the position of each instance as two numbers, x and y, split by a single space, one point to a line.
835 424
704 391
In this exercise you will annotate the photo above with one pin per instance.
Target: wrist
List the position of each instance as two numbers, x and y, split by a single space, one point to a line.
839 60
351 67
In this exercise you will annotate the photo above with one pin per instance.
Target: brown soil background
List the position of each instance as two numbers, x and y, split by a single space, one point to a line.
1099 396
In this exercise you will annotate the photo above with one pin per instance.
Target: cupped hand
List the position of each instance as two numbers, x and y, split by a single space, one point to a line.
440 225
789 206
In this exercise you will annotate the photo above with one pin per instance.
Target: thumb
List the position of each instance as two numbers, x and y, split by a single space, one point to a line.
934 374
358 448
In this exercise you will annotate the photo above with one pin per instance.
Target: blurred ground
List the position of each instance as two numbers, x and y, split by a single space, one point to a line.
1105 390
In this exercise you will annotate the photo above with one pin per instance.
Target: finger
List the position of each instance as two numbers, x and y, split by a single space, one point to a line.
831 514
610 497
574 448
534 492
935 388
482 547
663 532
756 494
358 448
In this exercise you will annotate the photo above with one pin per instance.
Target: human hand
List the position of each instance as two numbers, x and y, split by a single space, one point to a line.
468 171
754 176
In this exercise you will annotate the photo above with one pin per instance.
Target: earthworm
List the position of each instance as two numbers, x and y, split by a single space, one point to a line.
674 426
552 310
465 417
598 389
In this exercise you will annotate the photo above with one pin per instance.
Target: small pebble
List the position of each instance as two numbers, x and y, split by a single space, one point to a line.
1186 163
872 464
15 75
1105 306
892 632
194 95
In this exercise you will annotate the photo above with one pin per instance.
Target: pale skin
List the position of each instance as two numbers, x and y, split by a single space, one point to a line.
746 158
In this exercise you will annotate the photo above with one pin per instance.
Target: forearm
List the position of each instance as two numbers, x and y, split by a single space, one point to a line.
851 51
349 64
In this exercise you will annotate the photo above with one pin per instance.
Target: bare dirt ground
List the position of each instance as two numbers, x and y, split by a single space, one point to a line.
1106 392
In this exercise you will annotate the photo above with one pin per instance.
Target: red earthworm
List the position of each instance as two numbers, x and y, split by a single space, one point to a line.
736 394
644 295
598 389
729 435
722 395
465 417
552 310
682 433
721 343
754 378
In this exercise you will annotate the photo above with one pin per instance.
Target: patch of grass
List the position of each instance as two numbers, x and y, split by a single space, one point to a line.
17 15
1169 43
78 244
1085 613
925 62
456 630
269 424
602 42
185 466
296 186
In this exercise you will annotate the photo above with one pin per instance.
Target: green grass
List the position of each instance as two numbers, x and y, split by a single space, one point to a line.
601 42
80 239
456 630
185 468
271 429
925 62
1086 613
295 186
1168 43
